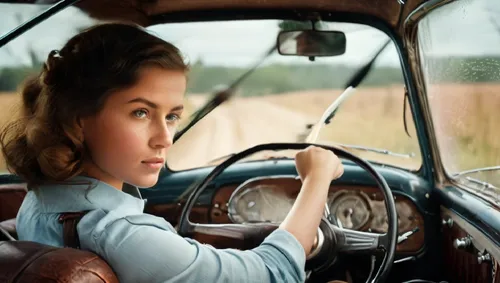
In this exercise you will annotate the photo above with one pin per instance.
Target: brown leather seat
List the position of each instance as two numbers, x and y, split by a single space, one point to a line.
8 228
22 262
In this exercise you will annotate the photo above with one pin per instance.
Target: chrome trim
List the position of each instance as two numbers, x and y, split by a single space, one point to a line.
410 258
357 241
231 210
326 213
234 231
333 198
319 241
484 169
483 258
448 222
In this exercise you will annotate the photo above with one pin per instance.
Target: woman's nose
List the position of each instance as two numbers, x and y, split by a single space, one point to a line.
163 137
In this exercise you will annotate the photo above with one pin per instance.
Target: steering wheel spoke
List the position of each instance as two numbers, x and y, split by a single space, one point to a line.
253 232
352 241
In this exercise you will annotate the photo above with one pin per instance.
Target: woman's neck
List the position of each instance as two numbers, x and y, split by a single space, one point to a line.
93 171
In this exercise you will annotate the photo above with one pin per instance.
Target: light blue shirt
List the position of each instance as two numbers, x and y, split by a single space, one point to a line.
144 248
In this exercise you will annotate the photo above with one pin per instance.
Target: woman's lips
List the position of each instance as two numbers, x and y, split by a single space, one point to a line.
154 163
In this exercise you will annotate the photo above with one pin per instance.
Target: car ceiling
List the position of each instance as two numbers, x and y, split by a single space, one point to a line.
144 12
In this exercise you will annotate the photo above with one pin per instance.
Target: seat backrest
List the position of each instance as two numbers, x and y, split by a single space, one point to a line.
22 262
11 197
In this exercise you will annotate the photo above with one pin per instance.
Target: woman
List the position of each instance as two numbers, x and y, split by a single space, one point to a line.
101 114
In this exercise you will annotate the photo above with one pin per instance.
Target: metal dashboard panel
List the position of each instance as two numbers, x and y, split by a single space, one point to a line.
409 215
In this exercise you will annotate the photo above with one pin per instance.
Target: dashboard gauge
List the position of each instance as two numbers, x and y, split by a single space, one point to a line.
259 204
406 216
350 209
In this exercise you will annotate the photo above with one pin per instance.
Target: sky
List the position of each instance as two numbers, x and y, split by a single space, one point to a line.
242 43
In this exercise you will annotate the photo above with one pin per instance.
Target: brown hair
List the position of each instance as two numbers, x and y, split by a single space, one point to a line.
45 143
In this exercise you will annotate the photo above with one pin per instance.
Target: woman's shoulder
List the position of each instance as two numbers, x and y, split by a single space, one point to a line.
117 225
102 220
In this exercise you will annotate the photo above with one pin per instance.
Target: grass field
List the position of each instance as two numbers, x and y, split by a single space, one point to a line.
466 119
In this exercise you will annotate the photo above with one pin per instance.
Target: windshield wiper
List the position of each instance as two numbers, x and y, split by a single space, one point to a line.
477 170
377 150
223 95
355 80
215 161
359 77
485 185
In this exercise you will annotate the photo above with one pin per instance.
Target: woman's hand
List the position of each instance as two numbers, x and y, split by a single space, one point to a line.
316 162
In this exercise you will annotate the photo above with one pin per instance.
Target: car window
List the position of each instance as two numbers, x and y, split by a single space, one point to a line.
460 55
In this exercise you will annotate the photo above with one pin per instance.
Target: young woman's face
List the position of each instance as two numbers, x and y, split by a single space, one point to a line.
129 138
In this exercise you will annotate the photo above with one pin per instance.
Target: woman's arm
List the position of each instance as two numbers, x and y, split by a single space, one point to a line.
304 218
316 167
141 248
145 248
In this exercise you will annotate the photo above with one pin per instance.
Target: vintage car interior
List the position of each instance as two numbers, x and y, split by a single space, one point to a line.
404 91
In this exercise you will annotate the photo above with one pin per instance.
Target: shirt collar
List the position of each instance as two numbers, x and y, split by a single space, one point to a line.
84 193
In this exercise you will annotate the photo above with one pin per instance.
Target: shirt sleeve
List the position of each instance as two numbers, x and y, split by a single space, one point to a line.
145 253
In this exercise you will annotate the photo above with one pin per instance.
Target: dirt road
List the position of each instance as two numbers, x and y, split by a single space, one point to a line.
235 126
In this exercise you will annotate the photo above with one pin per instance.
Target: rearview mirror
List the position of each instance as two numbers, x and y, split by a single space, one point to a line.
311 43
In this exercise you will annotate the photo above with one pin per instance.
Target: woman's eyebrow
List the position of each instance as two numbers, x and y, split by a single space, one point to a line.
145 101
177 108
152 104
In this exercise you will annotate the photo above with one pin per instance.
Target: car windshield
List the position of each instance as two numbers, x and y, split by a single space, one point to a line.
460 55
277 102
286 94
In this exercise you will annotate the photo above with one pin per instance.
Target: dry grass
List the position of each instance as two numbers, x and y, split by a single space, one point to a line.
466 120
9 107
465 116
365 118
372 117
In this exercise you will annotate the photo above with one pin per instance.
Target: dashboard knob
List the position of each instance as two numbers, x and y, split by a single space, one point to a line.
462 243
448 222
483 258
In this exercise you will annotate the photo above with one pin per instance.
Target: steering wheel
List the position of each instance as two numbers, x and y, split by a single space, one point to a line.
331 239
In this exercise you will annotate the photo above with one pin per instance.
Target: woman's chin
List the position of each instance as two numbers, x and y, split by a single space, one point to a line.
144 181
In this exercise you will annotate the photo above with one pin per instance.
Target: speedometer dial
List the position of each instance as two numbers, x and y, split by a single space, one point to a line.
259 204
350 209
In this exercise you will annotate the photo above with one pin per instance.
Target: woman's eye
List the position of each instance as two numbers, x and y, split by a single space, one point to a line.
172 117
141 113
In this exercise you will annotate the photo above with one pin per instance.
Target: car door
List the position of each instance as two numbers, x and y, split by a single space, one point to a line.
457 63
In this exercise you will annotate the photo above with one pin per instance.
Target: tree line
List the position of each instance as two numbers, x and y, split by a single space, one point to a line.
280 78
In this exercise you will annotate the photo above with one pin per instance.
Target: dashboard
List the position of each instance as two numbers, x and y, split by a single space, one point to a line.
264 190
362 208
